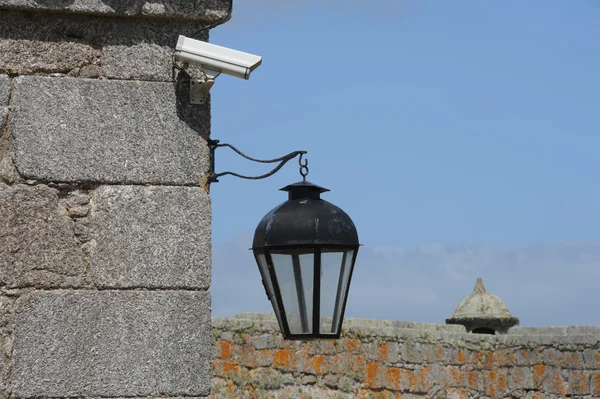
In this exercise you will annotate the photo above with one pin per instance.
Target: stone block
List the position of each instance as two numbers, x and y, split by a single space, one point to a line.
150 236
142 49
85 46
38 247
207 11
112 344
4 97
4 90
34 43
108 132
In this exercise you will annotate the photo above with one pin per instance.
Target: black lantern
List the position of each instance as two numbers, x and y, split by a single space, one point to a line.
305 249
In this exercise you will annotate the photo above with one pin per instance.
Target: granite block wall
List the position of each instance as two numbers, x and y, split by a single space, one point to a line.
104 209
382 359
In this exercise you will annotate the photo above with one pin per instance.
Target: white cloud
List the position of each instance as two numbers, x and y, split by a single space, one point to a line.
542 284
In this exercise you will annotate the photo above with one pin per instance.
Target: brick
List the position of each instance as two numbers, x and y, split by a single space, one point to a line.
550 356
223 368
549 379
423 378
151 236
224 349
250 357
265 378
459 356
435 353
108 131
353 366
388 352
526 357
324 347
457 394
496 382
347 384
398 379
375 376
591 358
595 380
572 360
352 345
454 376
504 357
578 382
112 344
284 359
264 341
521 378
475 380
412 352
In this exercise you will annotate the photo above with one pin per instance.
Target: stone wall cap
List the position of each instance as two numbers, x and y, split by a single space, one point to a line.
210 12
404 330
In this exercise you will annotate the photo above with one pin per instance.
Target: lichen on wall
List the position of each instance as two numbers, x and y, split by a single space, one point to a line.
382 359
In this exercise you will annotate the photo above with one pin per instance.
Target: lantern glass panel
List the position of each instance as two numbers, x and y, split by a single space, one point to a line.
261 260
335 272
294 271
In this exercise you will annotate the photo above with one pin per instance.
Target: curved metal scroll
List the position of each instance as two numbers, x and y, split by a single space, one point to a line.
214 177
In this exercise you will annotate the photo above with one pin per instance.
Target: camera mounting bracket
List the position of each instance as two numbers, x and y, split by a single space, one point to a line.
199 88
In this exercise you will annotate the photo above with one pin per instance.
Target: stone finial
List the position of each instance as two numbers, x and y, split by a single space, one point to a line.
479 287
482 312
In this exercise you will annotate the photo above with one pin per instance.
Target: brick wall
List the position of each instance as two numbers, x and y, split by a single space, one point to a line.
380 359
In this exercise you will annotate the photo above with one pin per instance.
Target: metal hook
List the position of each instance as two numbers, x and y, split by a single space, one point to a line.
303 167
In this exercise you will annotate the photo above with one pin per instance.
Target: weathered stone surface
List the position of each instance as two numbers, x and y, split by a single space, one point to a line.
4 90
3 116
74 130
91 47
147 236
207 11
32 43
112 343
4 97
38 247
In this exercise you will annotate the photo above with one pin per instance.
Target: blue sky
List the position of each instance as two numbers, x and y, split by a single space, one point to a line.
462 137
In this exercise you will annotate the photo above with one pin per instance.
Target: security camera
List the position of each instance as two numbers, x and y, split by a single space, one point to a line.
213 60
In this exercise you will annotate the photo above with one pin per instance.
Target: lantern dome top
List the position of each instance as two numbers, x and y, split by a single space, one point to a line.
482 310
305 220
304 189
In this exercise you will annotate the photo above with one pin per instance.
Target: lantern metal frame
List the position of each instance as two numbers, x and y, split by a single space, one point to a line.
316 299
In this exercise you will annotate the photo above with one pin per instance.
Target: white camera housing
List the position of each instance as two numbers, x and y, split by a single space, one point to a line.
213 60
